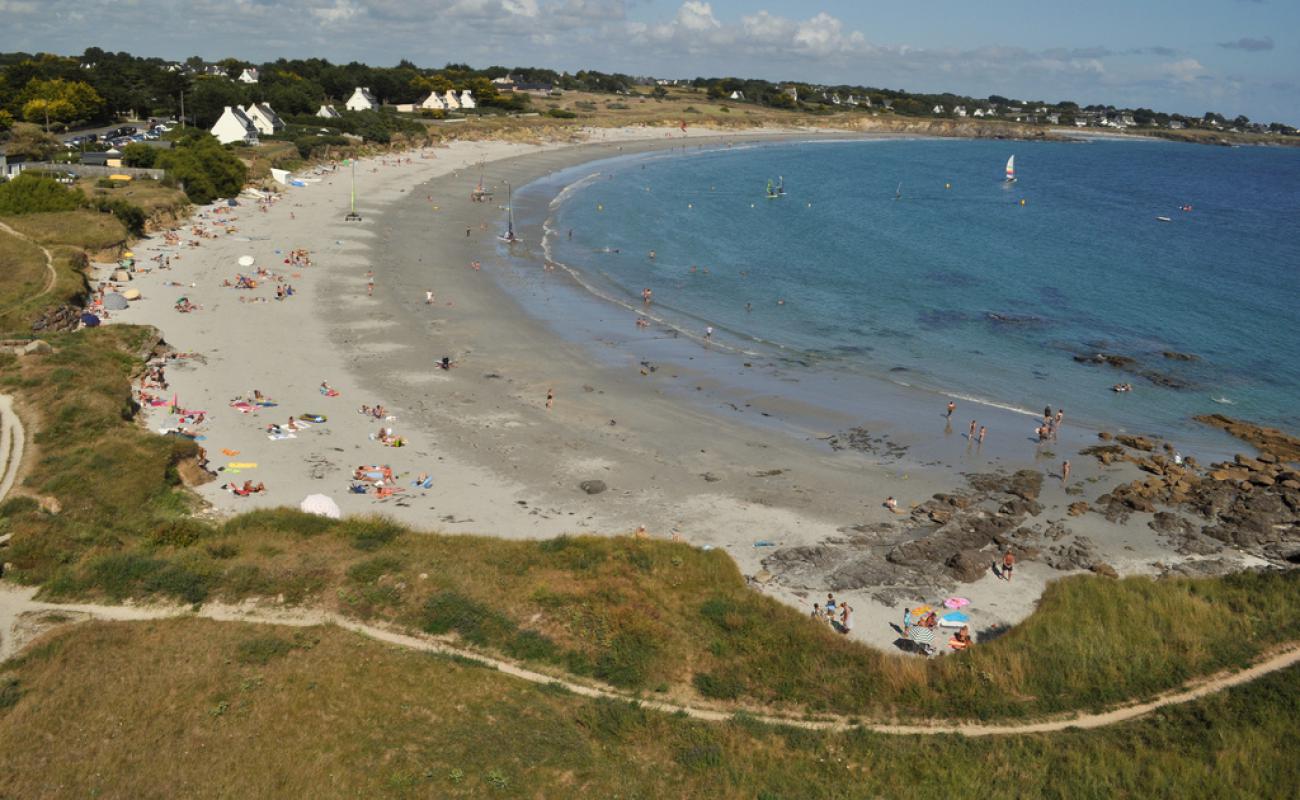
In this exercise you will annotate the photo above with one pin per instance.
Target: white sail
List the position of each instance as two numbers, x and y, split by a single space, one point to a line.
1011 168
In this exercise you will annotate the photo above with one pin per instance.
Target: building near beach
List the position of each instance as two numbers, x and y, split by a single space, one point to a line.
328 112
362 100
235 126
264 118
248 76
433 103
450 100
467 100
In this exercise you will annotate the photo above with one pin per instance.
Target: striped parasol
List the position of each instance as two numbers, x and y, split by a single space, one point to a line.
921 634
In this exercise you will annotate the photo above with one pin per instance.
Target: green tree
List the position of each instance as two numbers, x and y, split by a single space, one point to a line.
60 101
32 142
139 154
34 194
205 168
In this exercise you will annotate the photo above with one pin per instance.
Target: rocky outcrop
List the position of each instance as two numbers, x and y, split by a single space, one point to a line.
1270 441
62 318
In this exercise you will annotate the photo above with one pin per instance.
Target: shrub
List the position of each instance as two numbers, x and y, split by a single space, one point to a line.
371 570
476 623
717 686
561 113
31 194
139 154
129 214
106 183
206 169
372 533
260 650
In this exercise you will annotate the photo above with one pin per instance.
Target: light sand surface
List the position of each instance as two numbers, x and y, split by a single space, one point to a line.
502 462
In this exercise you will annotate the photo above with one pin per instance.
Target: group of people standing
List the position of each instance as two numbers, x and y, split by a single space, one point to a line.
838 615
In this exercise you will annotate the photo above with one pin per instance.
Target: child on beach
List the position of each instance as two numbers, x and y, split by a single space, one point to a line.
1008 565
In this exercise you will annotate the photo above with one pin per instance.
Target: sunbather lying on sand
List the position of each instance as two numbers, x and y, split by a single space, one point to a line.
245 490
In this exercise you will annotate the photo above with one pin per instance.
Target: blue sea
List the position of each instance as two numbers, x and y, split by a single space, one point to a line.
913 262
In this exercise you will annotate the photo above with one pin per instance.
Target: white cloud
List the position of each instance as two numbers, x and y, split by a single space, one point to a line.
341 11
696 16
1186 69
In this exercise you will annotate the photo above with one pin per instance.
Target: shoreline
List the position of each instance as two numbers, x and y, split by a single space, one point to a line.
502 462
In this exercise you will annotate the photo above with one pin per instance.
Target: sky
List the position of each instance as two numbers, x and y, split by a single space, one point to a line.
1186 56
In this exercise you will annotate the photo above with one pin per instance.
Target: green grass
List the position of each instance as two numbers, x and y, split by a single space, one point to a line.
89 230
195 708
652 617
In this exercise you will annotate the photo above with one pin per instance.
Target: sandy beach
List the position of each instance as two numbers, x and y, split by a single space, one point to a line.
675 451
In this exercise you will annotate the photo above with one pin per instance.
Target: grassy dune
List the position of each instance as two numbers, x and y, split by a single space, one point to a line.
657 618
88 230
187 708
22 275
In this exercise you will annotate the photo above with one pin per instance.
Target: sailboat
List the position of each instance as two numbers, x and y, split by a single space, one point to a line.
1011 169
773 192
898 193
509 236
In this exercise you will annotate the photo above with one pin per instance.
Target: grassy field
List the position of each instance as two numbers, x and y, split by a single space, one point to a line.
23 276
656 618
151 196
193 708
88 230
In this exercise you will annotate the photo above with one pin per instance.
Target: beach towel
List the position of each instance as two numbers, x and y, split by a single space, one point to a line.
330 393
242 465
275 437
426 484
313 417
266 404
227 452
954 620
242 407
956 602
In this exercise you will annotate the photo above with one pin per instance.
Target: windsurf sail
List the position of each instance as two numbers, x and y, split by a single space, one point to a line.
1011 169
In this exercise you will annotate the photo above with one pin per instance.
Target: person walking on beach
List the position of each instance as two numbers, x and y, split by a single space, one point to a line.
550 398
980 438
467 230
1065 471
971 435
1008 565
428 298
370 283
708 332
951 408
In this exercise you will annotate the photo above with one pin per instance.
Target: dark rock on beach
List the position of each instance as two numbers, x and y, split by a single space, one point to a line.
1269 441
1113 359
593 487
1174 355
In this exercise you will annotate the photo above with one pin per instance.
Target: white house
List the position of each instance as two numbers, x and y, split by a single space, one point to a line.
450 101
248 76
264 119
1054 119
467 100
235 126
737 95
960 111
362 100
433 102
328 112
938 109
1176 125
979 112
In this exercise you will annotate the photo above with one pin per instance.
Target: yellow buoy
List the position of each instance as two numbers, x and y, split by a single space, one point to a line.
600 207
1022 201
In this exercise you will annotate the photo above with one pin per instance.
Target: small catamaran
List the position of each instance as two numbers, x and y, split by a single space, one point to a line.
481 194
509 236
1011 170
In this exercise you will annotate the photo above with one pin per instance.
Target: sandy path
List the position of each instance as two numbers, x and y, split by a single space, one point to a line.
12 440
15 604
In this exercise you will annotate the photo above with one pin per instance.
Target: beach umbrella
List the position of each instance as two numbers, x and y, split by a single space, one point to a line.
921 635
90 320
320 505
246 261
114 301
